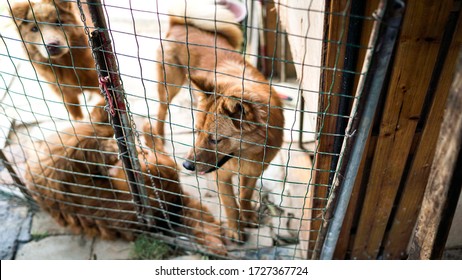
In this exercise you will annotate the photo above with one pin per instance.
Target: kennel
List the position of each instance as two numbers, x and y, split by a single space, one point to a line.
330 62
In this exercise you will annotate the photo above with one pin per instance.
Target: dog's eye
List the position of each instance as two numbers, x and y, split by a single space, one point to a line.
214 141
34 29
58 22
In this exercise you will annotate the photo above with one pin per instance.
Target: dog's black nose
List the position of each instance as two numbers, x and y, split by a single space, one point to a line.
189 165
53 48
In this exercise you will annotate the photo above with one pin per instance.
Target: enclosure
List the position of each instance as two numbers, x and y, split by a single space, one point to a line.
362 85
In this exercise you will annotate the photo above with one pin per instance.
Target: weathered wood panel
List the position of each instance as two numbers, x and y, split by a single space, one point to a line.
416 54
441 186
408 207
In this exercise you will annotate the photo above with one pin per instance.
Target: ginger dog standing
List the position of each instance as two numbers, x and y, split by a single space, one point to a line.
240 122
55 41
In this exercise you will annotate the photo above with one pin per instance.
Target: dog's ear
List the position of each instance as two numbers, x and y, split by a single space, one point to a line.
203 83
238 109
66 6
61 5
19 11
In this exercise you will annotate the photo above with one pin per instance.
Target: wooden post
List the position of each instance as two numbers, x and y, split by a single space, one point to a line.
445 183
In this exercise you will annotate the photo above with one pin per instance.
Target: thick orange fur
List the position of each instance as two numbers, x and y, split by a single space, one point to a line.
239 122
58 47
80 181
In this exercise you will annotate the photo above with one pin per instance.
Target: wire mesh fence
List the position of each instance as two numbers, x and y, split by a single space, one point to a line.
227 167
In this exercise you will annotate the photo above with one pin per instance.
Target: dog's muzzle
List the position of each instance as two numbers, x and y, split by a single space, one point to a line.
54 48
191 166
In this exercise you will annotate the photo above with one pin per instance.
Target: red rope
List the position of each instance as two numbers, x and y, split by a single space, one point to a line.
103 81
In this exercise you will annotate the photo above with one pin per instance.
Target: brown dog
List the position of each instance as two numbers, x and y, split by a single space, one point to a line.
80 181
239 121
58 47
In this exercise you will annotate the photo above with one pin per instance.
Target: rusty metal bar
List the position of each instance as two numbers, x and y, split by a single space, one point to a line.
14 176
112 88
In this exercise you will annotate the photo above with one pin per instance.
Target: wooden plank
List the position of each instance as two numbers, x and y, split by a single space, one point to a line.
417 50
408 208
350 217
444 185
270 41
273 44
328 104
305 22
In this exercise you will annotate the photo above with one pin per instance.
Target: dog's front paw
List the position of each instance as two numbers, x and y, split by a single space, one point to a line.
215 245
234 235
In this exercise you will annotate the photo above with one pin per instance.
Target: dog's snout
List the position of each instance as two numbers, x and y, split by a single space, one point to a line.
189 165
54 47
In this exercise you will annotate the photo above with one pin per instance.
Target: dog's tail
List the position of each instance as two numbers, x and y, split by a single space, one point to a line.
208 16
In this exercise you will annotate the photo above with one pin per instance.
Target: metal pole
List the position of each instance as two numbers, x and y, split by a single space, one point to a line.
113 89
14 176
383 40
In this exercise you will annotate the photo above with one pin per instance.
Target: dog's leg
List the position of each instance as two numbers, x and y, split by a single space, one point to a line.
170 79
99 115
151 137
72 103
247 216
227 199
